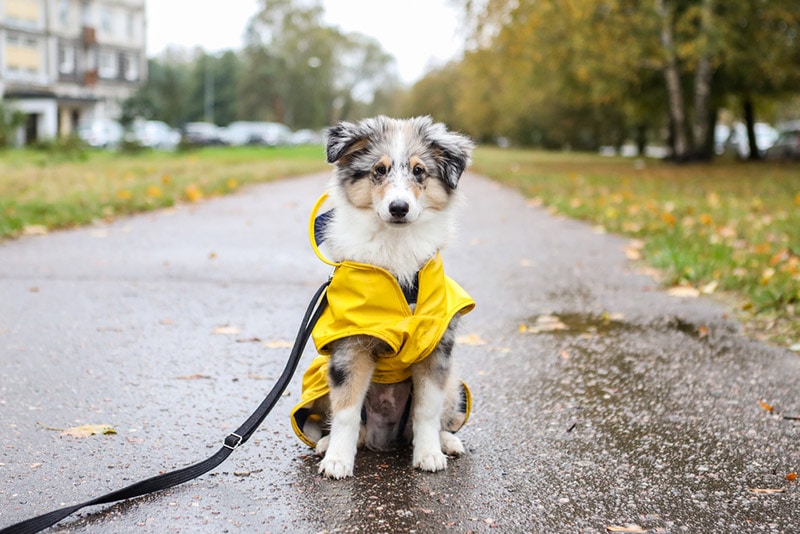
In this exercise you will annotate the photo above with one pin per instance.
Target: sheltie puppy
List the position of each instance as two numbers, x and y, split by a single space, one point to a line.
394 195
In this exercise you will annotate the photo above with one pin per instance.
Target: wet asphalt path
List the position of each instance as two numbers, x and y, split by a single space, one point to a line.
170 327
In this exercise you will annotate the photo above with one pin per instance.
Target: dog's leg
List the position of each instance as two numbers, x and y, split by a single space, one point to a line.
451 444
430 378
349 375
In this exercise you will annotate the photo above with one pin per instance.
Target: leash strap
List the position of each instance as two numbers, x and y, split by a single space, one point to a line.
231 442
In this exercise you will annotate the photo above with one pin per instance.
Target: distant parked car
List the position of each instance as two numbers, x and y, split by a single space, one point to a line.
788 144
765 134
202 134
256 133
101 133
306 137
154 134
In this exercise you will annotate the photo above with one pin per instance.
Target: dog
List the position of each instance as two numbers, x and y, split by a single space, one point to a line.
386 376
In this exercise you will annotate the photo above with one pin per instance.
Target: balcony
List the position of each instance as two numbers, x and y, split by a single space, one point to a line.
90 78
89 36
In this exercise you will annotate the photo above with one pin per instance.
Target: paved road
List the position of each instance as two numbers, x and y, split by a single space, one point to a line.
643 412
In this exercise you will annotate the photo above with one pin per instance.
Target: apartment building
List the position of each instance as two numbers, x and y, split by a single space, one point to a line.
65 62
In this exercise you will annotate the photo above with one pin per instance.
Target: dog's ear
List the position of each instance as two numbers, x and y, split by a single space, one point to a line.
348 138
452 151
339 139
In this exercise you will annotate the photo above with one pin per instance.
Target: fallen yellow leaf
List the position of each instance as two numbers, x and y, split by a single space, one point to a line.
709 288
34 229
791 477
768 491
767 407
153 191
278 344
88 430
193 193
683 291
225 330
546 323
633 254
626 528
471 340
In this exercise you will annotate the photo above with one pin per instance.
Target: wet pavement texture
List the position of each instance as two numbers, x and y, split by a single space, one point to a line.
599 401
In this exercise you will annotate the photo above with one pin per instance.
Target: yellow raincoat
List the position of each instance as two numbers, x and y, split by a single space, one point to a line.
367 300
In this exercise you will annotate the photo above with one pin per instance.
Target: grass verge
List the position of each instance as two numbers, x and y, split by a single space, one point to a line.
726 228
40 190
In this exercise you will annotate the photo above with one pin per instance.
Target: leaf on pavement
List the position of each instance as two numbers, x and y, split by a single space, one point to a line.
544 323
709 288
278 344
472 340
226 329
791 477
196 376
767 407
34 229
88 430
767 491
683 291
626 528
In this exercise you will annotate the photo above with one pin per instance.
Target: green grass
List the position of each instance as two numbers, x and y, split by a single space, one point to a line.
41 190
729 228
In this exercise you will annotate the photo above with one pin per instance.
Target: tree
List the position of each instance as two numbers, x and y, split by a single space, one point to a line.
10 120
305 74
560 70
213 88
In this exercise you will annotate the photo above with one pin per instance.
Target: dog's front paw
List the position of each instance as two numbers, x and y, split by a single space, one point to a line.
336 468
451 444
322 445
430 461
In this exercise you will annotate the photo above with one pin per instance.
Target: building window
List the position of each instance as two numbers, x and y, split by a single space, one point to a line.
63 12
131 26
23 13
131 67
106 21
107 67
23 54
66 59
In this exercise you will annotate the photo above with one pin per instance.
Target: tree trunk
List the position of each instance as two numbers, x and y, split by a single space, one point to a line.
749 121
702 84
677 109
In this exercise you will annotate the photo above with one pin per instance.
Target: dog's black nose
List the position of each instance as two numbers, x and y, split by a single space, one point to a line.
398 208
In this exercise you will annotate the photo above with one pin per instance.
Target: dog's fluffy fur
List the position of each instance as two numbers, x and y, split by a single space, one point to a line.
394 191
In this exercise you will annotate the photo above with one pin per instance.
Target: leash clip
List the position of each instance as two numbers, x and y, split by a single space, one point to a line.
232 441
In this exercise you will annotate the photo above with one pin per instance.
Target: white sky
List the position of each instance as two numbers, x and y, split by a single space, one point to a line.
418 33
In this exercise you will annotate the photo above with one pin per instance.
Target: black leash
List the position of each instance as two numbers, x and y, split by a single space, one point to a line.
232 441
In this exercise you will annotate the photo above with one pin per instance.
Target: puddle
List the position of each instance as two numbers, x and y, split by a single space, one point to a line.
576 324
590 325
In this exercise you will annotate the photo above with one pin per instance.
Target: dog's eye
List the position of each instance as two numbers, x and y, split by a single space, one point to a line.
419 171
380 170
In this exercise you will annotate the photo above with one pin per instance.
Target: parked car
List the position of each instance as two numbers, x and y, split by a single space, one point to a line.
306 137
765 134
256 133
788 144
101 133
154 134
202 134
